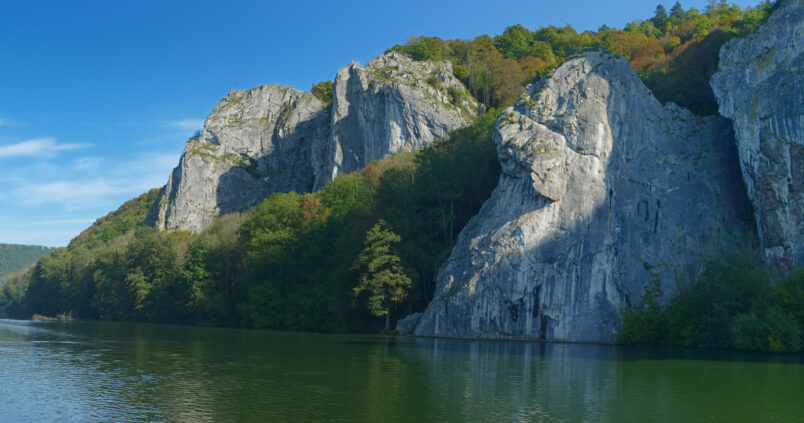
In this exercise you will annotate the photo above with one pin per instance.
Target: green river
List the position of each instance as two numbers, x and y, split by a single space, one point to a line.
125 372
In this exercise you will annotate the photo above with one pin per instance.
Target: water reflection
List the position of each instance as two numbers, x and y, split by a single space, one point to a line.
87 371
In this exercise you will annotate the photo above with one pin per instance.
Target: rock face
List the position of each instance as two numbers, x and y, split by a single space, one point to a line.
391 104
279 139
604 192
254 143
407 325
760 86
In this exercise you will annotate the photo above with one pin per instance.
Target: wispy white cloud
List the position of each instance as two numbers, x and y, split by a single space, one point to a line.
55 222
87 163
75 193
56 199
189 124
40 147
5 122
128 178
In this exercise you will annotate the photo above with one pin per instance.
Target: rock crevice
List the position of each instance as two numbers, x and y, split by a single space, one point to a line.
760 87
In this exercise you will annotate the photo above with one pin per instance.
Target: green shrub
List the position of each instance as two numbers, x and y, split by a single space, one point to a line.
774 332
324 92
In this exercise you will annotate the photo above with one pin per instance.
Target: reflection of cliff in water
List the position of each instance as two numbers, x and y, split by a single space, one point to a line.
88 371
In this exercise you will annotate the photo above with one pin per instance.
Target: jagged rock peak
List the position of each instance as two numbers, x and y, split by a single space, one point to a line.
255 142
760 86
392 104
603 193
279 139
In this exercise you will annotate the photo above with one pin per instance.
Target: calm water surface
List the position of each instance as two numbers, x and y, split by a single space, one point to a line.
99 372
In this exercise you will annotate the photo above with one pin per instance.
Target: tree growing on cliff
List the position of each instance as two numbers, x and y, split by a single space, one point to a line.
382 275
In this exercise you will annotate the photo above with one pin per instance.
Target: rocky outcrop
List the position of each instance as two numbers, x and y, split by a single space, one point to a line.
760 86
256 142
604 192
407 325
391 104
279 139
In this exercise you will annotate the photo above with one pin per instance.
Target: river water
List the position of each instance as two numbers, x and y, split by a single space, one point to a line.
112 372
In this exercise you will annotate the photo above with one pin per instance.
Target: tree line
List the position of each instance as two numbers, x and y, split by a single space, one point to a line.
352 257
674 53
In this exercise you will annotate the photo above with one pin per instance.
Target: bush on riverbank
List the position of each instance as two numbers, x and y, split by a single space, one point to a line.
733 303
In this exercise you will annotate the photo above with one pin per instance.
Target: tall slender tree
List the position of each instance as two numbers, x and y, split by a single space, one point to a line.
382 275
660 17
677 11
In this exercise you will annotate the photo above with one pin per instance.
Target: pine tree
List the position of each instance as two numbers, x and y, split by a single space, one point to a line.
382 275
660 17
677 11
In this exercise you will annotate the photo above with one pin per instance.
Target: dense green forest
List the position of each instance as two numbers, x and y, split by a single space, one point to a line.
365 249
15 257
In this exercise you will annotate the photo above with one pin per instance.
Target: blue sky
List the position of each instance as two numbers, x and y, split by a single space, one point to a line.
98 97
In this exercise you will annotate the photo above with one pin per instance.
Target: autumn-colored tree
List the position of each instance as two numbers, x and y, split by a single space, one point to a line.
324 91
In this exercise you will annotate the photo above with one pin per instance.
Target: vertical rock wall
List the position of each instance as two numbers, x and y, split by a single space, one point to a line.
760 86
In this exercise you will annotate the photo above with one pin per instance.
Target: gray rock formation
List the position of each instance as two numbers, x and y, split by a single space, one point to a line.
604 192
278 139
256 142
407 325
391 104
760 86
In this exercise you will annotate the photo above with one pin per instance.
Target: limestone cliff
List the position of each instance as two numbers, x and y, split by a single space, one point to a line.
389 105
279 139
254 143
760 86
603 192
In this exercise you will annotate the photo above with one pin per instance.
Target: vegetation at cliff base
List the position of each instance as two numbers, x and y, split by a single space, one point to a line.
381 273
293 262
733 303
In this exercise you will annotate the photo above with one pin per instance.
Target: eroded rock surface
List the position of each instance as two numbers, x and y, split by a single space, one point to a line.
392 104
604 191
279 139
760 86
256 142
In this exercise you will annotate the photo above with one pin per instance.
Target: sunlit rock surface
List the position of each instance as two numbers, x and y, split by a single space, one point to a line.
604 191
279 139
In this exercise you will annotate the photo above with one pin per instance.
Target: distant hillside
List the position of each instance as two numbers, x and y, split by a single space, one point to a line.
15 257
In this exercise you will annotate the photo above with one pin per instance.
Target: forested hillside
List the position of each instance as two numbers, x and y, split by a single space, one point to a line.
15 257
294 262
675 52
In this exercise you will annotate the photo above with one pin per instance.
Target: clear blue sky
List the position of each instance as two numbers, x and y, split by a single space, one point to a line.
98 97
